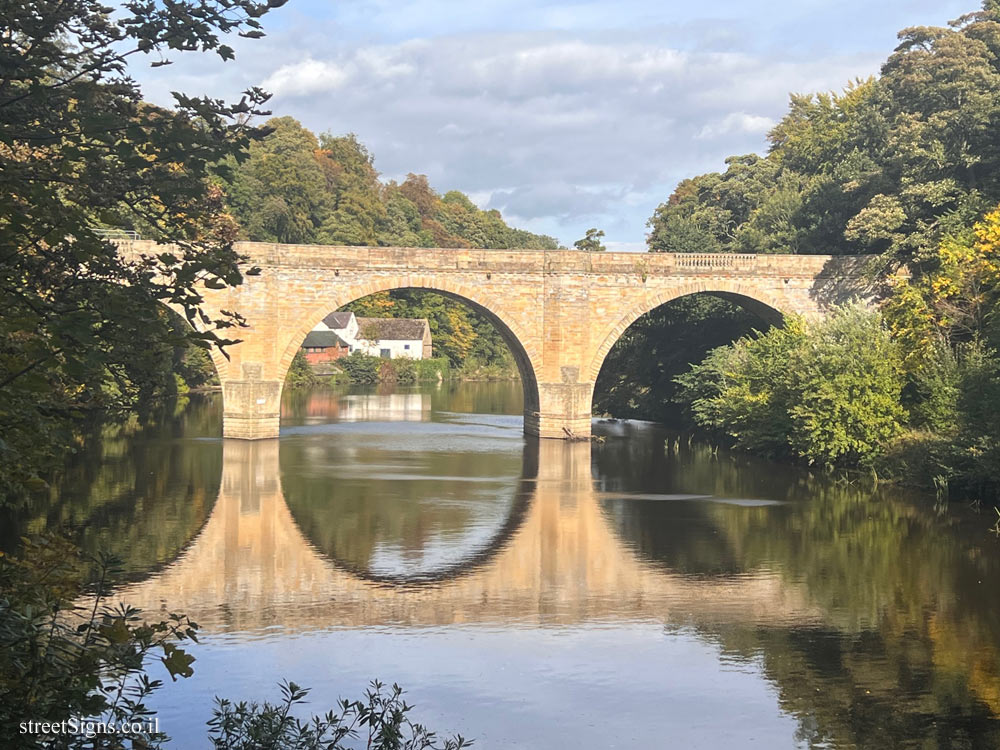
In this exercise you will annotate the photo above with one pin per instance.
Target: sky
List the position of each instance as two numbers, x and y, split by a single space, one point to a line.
564 116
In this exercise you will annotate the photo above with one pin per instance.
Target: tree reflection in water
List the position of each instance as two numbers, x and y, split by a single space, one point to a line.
908 651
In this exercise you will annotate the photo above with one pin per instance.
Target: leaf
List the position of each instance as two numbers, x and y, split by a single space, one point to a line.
177 661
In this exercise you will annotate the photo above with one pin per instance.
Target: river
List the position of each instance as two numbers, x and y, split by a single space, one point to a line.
640 591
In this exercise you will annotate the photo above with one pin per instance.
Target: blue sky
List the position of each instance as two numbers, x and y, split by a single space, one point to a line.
562 115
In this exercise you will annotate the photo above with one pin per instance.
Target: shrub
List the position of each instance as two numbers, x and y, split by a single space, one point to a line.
957 423
828 393
360 367
436 368
402 370
300 374
380 720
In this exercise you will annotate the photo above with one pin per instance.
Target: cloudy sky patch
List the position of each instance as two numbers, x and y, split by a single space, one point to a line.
562 115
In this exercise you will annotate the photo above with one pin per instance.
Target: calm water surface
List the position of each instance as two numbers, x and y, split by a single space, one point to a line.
635 593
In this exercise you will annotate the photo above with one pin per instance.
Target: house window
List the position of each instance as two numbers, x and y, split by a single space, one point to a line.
385 353
406 346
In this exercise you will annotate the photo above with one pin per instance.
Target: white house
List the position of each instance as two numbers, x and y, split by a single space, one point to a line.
389 338
344 324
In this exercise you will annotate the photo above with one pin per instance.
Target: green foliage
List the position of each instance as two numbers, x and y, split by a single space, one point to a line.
739 390
361 368
297 188
366 369
947 319
62 660
278 192
300 374
591 241
380 721
956 427
435 368
890 165
828 393
79 151
401 370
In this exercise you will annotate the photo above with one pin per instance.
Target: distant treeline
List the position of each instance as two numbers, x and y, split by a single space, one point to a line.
893 165
296 187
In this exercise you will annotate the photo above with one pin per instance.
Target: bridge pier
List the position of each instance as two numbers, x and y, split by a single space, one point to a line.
251 409
563 413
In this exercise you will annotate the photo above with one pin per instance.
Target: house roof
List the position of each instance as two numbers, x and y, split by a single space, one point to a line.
323 339
338 320
393 329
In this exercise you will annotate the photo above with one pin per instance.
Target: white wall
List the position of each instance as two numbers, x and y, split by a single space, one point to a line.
397 348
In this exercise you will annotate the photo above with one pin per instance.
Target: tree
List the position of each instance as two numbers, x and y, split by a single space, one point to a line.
80 150
827 393
591 242
891 165
279 192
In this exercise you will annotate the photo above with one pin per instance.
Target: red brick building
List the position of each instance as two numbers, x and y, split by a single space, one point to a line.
321 347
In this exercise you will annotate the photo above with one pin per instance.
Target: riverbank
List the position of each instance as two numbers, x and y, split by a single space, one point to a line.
364 369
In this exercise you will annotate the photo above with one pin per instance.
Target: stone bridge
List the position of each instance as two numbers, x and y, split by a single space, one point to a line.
559 311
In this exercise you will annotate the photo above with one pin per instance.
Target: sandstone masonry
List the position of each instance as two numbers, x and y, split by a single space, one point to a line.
559 311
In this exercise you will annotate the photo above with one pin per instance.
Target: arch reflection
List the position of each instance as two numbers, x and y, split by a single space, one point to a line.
396 523
251 569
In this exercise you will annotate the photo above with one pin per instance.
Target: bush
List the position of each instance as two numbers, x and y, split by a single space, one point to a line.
828 393
300 374
360 367
402 370
436 368
381 718
956 439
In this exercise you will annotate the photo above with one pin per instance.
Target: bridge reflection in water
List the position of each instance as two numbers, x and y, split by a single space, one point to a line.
555 561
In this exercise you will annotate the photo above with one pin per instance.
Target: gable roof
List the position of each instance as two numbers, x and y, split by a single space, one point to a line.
323 339
338 320
394 329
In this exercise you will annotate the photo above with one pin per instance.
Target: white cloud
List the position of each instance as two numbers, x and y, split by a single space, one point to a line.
559 129
736 122
304 78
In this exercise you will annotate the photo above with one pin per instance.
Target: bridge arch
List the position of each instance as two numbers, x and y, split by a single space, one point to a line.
522 346
751 298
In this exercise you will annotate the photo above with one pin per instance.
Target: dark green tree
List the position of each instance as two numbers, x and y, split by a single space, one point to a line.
591 241
79 151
